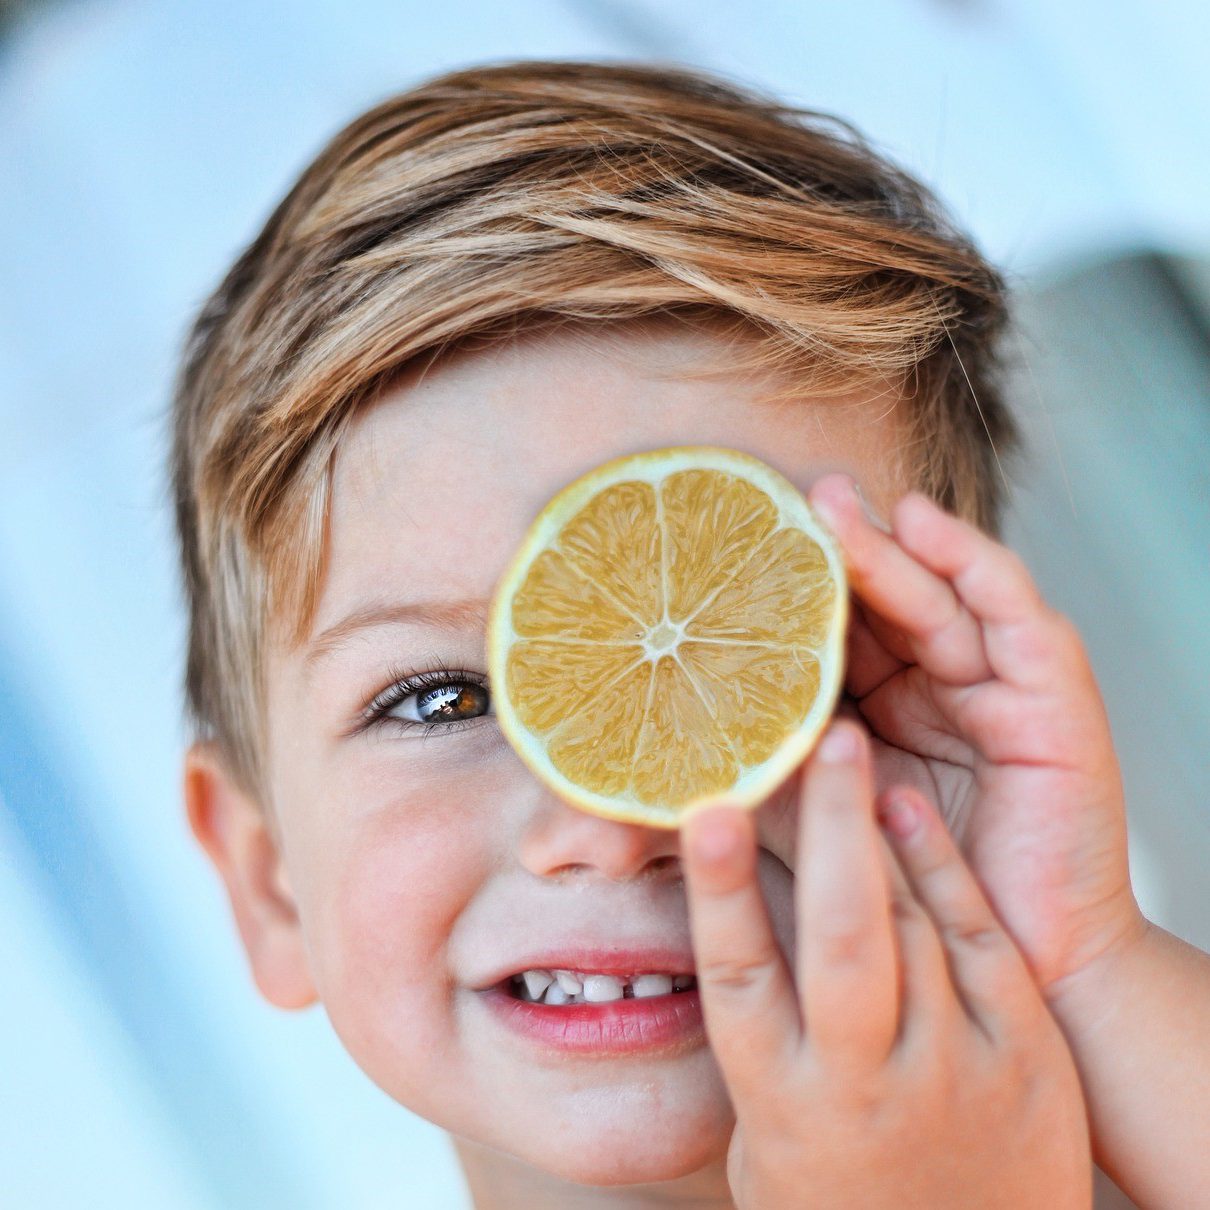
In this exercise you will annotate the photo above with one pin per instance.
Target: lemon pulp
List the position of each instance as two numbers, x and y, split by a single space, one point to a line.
670 631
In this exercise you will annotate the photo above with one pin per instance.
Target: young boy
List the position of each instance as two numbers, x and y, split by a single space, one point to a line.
478 291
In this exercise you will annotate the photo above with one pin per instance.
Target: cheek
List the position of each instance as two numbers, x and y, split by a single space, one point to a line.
383 914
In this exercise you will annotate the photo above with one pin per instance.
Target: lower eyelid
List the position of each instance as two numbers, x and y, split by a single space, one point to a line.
407 730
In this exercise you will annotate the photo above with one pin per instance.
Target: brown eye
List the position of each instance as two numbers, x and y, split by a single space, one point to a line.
449 701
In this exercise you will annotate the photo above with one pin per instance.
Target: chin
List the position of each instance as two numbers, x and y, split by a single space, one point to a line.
619 1142
601 1162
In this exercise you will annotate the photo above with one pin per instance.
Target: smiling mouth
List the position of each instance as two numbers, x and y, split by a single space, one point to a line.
567 987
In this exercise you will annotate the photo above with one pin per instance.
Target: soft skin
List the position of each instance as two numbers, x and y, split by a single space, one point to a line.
395 871
967 676
392 869
907 1059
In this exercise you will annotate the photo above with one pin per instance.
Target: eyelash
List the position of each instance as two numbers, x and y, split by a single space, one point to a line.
404 684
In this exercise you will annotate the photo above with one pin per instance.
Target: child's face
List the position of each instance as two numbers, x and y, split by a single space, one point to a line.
426 864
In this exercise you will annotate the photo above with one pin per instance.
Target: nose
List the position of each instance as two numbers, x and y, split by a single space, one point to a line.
560 841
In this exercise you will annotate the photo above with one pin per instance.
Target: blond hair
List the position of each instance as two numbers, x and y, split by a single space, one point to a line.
501 198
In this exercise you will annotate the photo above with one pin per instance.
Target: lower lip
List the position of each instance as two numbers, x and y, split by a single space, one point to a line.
617 1027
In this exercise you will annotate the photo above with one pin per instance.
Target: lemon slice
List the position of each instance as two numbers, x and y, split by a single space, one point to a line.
670 631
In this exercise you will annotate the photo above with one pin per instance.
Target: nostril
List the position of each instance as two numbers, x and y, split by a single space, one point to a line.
652 868
571 867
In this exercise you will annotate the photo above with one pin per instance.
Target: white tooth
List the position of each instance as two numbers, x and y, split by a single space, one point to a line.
680 982
651 985
569 983
600 988
556 995
536 982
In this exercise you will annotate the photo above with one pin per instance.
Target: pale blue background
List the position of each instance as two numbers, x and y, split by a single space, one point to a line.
142 144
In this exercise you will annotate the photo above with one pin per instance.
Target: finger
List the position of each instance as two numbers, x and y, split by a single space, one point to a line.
890 638
747 996
848 982
989 578
896 699
1057 729
868 660
927 1000
1026 641
777 817
902 591
987 970
907 713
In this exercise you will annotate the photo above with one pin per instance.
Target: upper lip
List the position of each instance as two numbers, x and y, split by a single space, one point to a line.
605 960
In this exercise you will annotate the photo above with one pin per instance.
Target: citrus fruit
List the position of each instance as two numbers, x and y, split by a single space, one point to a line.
670 631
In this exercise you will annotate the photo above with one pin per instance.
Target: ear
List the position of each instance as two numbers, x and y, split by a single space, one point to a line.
234 831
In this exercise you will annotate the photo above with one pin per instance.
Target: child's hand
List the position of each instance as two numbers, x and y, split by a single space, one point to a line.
915 1064
980 694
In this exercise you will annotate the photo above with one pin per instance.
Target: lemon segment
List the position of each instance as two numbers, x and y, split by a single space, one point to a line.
670 631
709 534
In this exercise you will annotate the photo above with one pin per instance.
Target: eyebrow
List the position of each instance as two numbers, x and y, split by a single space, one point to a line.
451 616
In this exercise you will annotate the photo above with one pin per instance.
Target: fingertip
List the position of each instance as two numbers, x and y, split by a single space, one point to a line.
716 837
834 483
928 533
834 497
899 812
841 744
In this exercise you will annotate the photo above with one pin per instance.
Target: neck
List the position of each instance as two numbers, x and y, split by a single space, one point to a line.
502 1182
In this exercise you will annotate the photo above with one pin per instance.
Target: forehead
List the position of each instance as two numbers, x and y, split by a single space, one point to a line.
436 483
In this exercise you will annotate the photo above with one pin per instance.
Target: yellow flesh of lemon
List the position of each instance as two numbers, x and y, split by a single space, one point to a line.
669 632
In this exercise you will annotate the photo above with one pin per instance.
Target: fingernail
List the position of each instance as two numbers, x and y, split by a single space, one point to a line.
899 816
870 515
831 508
839 746
824 510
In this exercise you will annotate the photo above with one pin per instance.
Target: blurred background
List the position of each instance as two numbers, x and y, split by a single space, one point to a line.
144 142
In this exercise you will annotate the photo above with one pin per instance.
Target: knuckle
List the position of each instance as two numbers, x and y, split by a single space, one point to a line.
1014 725
932 869
1004 721
1034 642
865 1098
979 935
1053 636
738 975
1063 628
1018 1063
1015 567
940 1080
865 1101
944 611
1068 641
843 945
905 909
1011 561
